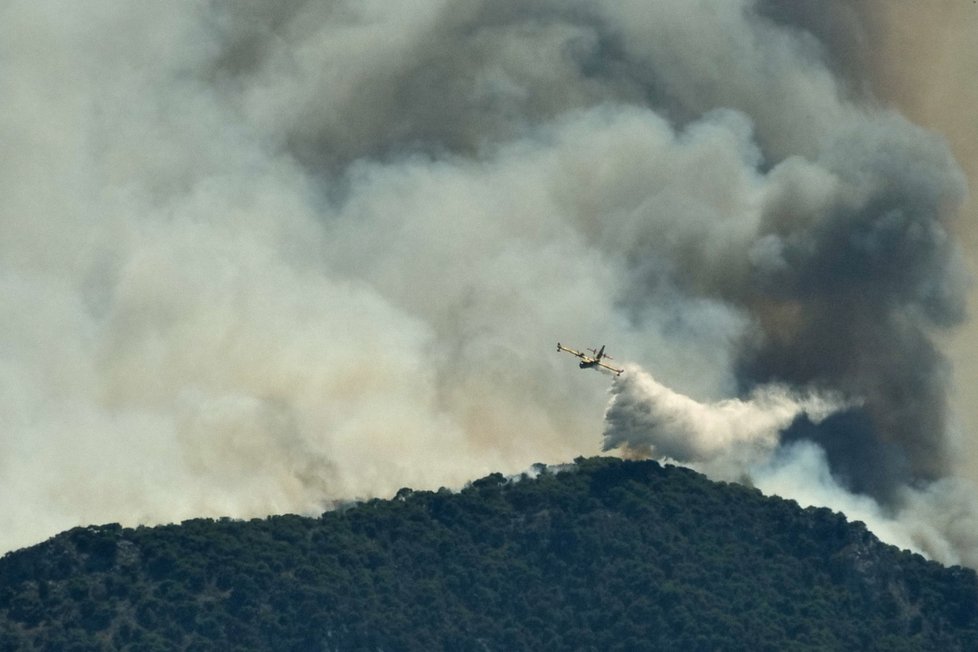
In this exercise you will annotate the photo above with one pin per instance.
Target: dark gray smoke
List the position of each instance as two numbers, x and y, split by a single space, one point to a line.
258 256
848 298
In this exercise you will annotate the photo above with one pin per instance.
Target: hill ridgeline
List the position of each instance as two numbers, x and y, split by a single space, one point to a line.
604 554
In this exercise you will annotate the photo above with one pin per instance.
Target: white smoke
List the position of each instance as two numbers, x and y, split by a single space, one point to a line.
256 257
726 438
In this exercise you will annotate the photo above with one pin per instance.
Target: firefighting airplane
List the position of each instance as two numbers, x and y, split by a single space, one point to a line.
593 360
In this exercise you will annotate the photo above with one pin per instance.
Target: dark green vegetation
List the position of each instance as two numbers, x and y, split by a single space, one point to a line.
607 555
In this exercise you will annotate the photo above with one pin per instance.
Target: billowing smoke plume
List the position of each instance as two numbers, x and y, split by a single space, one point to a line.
258 256
727 438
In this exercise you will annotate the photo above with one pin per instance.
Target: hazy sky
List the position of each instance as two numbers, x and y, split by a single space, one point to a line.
257 257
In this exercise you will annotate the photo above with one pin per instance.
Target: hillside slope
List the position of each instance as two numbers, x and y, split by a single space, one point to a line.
607 554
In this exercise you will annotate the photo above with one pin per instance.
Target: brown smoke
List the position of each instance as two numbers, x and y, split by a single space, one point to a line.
926 61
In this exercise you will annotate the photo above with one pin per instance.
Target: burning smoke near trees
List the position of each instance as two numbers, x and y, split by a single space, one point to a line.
259 256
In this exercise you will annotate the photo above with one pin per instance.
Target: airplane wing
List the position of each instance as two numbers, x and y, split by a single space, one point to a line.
560 347
617 371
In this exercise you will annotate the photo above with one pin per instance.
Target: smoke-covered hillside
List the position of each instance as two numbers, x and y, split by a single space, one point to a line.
602 555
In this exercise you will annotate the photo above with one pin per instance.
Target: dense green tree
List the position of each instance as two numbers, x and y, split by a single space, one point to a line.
603 555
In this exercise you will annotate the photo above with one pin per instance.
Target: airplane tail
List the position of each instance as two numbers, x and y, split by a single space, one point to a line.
600 353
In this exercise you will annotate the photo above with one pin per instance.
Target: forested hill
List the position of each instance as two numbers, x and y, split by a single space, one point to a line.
604 555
